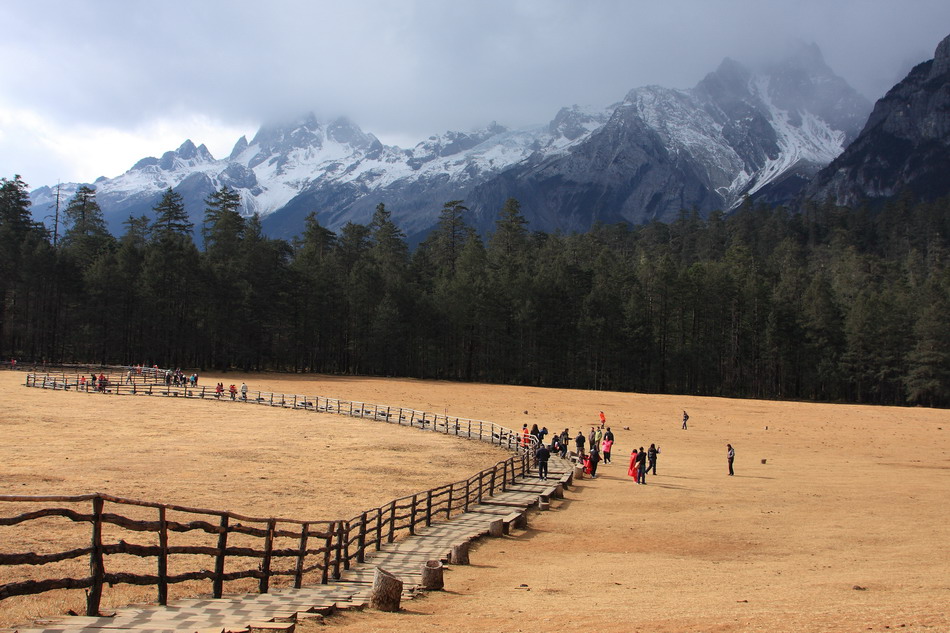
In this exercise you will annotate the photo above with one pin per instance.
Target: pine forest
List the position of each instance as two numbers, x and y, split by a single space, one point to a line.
816 303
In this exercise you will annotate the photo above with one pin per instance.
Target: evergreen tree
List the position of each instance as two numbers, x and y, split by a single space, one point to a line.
170 216
86 234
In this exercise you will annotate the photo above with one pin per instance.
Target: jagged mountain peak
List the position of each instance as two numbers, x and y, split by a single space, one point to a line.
902 147
941 61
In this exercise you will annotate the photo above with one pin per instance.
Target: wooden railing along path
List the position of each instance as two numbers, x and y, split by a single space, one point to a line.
306 551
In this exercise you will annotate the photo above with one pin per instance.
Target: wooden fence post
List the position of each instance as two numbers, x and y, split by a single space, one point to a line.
338 554
379 528
392 522
412 516
448 506
162 558
218 582
429 508
361 552
96 567
268 548
346 545
301 555
327 546
468 491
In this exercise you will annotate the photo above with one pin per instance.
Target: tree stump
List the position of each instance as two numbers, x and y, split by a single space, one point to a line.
387 591
432 575
579 472
496 528
459 555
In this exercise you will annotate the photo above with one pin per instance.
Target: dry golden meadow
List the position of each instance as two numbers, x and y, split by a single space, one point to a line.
843 528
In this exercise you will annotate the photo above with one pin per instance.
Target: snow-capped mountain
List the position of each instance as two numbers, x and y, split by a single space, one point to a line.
658 151
737 133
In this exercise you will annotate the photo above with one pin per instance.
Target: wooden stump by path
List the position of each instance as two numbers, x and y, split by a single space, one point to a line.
459 555
432 575
387 591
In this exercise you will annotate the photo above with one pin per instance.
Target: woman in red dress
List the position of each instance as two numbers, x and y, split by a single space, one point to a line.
632 469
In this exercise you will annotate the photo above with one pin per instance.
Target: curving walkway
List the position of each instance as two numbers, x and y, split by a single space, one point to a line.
281 609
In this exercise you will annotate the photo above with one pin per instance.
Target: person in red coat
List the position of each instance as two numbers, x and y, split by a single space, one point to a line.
632 469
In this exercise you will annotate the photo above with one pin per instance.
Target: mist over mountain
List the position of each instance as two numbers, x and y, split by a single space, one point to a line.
739 132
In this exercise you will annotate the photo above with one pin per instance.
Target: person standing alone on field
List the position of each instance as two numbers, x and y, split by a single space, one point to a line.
730 457
685 417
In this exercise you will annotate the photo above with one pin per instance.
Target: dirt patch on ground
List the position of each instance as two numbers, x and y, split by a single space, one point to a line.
849 496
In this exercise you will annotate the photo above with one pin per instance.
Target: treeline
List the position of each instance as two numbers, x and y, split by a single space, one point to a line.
826 304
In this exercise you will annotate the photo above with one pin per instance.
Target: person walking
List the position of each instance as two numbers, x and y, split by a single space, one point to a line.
730 457
685 418
233 391
603 419
243 391
542 455
642 467
652 452
607 445
632 468
594 460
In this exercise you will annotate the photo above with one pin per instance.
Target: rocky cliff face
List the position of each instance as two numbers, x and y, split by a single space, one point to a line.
905 145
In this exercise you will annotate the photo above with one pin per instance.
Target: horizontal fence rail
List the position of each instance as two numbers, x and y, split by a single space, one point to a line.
437 422
237 546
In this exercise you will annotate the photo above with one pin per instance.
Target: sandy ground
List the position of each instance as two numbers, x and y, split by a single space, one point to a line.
849 496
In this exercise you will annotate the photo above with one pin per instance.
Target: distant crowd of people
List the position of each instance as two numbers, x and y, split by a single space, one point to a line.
595 447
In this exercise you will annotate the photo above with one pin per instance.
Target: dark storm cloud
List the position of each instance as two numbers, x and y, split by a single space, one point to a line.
406 69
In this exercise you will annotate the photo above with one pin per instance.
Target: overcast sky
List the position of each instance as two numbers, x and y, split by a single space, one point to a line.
91 86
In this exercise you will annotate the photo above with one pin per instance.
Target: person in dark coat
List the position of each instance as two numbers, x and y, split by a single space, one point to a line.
594 460
542 455
730 457
579 443
642 467
652 452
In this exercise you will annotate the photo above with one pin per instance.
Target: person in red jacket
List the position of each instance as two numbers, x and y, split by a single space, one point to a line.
632 469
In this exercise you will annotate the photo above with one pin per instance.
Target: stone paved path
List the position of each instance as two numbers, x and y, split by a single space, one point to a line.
279 610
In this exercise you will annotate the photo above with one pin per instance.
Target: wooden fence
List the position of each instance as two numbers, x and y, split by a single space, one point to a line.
281 547
438 422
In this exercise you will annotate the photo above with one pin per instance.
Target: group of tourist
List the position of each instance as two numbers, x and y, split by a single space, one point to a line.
232 391
642 462
596 447
177 378
95 383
